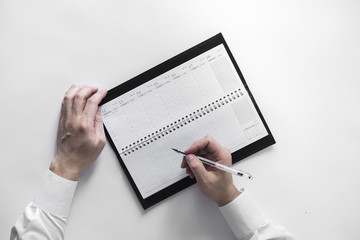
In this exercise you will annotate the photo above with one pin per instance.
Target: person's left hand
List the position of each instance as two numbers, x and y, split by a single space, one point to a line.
80 137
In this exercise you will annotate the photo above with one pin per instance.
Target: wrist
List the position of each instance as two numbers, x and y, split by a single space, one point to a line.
63 171
229 195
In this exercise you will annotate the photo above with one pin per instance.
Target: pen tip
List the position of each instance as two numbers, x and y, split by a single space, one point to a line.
178 151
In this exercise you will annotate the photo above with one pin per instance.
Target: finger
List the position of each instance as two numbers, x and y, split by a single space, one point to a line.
183 163
68 101
81 97
196 167
98 125
189 172
92 104
187 168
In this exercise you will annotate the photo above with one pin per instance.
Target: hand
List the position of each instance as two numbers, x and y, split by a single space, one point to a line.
80 137
214 183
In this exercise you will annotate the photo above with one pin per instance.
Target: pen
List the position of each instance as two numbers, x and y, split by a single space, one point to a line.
219 166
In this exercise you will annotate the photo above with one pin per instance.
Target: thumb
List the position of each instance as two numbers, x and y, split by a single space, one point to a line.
196 167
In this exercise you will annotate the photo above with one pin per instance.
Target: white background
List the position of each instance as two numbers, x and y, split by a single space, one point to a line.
301 60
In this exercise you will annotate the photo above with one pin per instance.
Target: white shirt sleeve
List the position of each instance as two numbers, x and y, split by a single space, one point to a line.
248 223
46 216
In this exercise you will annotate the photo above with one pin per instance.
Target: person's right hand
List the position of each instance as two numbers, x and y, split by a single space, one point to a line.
214 183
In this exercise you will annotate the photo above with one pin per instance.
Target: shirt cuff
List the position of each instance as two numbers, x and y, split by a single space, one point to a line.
243 216
55 194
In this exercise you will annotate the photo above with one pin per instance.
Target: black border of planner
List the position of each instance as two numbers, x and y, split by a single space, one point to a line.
160 69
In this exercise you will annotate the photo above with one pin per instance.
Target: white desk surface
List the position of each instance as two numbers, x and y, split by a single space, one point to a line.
300 58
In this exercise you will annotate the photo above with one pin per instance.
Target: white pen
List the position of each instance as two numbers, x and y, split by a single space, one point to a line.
219 166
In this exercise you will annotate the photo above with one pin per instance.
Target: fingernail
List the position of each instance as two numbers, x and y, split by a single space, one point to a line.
189 157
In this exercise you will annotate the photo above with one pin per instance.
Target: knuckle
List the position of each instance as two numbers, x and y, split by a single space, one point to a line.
83 125
68 98
79 95
98 118
207 137
92 101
